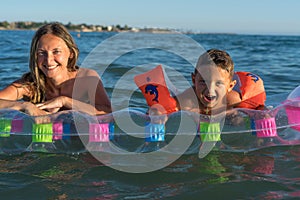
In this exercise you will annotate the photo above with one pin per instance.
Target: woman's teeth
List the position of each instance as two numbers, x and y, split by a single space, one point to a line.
51 67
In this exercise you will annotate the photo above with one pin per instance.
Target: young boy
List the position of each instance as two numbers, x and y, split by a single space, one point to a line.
216 87
212 82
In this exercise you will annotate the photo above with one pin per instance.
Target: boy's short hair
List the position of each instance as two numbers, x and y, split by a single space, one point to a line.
218 58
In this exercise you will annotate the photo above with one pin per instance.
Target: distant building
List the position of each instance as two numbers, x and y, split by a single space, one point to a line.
109 28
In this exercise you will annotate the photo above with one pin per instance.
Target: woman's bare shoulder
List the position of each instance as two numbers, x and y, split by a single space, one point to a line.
84 72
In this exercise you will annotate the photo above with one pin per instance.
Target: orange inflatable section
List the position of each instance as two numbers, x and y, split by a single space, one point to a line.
252 89
154 88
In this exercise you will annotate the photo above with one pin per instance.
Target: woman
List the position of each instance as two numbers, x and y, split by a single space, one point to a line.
55 82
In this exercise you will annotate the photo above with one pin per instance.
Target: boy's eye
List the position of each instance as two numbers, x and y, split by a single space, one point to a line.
202 82
218 83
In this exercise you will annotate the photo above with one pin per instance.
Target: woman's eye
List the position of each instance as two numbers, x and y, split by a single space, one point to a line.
56 52
40 53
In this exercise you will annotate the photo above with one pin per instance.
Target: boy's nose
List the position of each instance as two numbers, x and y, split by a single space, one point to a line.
210 87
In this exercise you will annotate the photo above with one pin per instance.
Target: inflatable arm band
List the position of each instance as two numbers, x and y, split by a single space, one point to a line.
154 88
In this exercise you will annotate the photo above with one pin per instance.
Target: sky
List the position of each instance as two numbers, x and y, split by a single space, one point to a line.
224 16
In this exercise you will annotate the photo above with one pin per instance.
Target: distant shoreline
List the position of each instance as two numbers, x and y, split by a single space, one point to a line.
30 25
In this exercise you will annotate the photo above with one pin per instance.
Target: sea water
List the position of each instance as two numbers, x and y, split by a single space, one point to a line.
271 173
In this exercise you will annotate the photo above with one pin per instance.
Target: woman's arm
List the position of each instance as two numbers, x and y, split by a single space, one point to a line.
11 92
10 95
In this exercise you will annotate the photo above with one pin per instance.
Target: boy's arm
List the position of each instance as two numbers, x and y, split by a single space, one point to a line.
233 99
187 100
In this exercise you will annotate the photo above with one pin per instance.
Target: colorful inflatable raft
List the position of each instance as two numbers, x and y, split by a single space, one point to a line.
131 130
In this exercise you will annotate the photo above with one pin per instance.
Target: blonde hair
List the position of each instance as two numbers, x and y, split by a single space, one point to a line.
36 79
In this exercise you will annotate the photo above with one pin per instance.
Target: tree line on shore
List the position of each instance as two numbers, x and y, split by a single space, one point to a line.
83 27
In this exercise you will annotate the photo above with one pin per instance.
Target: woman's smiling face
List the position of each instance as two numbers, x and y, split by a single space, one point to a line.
52 55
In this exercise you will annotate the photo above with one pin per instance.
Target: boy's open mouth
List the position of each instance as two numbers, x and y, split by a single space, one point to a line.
209 98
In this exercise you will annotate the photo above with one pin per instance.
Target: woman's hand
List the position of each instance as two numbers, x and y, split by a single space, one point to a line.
53 105
29 109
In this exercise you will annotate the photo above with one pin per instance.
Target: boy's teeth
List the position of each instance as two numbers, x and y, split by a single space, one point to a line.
209 97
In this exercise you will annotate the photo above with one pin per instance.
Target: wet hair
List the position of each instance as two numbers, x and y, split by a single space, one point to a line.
216 57
36 79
